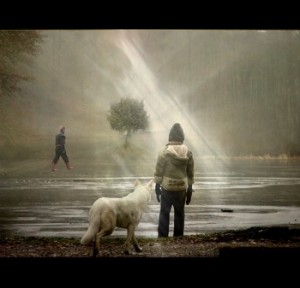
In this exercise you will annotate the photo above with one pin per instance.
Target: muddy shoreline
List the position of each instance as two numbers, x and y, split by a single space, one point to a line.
282 241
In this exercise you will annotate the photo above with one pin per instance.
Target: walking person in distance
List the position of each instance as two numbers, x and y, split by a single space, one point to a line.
60 150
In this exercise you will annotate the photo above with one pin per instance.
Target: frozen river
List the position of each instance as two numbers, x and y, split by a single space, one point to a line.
257 194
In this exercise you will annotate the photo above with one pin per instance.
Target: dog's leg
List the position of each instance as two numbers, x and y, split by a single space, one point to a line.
98 237
96 246
130 230
131 240
135 244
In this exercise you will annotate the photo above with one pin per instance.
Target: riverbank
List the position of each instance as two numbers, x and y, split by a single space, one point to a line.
267 241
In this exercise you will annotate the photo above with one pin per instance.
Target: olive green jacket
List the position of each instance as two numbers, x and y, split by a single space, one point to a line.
174 169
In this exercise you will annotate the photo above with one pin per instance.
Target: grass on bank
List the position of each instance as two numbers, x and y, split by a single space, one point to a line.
276 233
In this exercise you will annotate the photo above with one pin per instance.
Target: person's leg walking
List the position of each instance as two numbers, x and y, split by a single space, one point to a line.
55 160
66 160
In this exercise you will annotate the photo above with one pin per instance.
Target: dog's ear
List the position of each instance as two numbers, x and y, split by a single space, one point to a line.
137 182
149 184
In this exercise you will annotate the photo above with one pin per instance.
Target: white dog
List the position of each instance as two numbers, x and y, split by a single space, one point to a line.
126 212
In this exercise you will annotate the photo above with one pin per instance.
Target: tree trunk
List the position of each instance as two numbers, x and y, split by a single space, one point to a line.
126 139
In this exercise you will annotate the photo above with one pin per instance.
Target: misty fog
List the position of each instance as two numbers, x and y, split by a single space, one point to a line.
235 92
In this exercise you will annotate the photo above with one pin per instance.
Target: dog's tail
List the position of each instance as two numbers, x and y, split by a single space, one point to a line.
90 234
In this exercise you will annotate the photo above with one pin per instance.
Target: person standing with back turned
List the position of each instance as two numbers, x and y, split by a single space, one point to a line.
60 150
174 177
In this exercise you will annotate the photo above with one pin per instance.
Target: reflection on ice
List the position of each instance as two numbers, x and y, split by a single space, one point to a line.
202 183
71 183
259 194
58 221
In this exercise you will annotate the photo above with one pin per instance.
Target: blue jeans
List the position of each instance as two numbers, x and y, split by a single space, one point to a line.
167 200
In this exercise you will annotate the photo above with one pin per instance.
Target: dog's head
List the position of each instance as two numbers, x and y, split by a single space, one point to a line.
148 187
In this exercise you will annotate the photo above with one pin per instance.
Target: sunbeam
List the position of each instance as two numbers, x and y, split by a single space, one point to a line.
164 108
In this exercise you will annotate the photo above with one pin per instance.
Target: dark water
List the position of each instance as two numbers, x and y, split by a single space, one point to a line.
257 193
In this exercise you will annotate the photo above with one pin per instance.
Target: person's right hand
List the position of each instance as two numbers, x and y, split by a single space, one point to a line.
158 192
